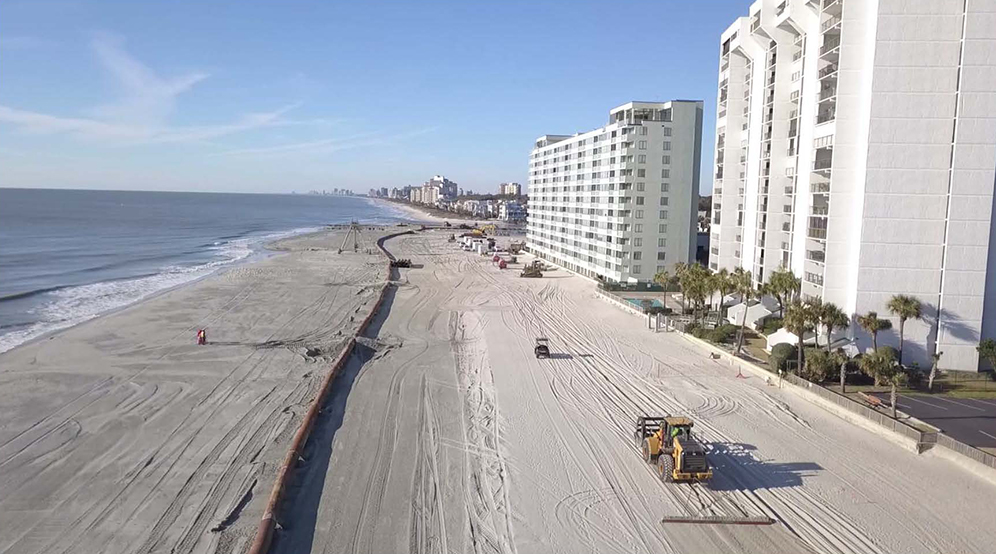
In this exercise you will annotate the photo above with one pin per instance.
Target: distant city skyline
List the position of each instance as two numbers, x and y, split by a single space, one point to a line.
267 98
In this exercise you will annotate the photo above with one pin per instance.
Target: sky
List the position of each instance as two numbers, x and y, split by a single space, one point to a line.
293 96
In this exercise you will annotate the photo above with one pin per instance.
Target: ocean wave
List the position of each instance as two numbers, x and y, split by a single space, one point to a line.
64 307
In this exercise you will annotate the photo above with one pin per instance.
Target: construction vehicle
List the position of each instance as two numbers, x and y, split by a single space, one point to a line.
667 443
534 269
516 247
531 272
403 262
542 349
451 239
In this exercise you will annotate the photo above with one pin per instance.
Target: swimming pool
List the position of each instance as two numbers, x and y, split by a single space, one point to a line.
638 302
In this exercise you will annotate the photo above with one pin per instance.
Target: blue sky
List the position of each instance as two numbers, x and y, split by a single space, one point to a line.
282 96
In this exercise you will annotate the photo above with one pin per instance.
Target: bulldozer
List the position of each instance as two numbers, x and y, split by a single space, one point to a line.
533 270
667 443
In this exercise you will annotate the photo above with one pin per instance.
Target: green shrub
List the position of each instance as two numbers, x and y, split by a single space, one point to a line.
818 365
723 333
780 353
771 325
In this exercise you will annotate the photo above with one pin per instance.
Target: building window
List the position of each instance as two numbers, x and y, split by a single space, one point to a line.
643 145
637 228
663 200
666 160
637 270
640 187
637 255
638 214
642 159
667 145
660 268
637 242
667 131
643 131
641 172
662 228
665 174
639 200
665 187
663 214
662 242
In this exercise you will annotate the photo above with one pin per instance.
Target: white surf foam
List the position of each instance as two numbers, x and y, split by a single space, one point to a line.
74 305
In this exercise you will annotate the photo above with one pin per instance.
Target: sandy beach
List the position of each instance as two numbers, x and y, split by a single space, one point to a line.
123 435
442 434
448 435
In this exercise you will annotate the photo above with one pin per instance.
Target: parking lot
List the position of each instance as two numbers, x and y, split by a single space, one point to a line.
969 420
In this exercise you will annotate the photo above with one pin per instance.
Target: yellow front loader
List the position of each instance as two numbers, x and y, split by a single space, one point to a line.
667 443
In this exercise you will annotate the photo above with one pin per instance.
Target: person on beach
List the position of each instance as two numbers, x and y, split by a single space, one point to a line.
202 337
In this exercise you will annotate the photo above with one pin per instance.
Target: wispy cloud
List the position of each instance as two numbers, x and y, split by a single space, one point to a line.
142 112
329 145
147 98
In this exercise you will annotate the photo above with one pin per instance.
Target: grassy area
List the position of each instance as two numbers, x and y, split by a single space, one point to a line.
754 345
961 385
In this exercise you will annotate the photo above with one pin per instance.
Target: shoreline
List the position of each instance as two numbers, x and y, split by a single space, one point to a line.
259 253
432 215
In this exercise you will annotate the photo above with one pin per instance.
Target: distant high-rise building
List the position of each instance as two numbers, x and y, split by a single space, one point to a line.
855 145
510 188
619 203
447 188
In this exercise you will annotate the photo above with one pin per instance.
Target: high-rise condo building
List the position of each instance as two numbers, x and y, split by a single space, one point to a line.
856 145
619 203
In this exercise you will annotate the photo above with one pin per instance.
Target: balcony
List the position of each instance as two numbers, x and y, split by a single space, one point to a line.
819 211
831 23
814 279
820 188
822 165
830 46
755 24
828 93
817 233
817 256
780 9
826 116
787 227
828 71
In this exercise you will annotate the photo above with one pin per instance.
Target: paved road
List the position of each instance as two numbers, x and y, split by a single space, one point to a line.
968 420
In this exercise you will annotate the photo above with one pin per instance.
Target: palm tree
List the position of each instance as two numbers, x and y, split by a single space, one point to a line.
871 323
784 286
696 280
744 286
935 359
798 320
832 318
842 362
882 365
815 312
725 286
904 307
680 269
662 278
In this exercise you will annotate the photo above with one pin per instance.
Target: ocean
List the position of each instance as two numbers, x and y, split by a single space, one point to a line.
67 256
